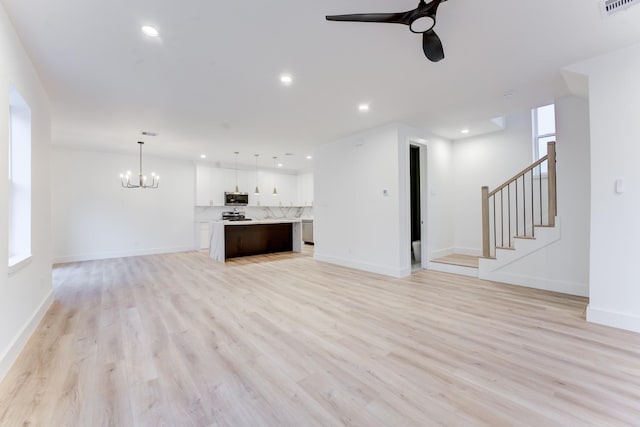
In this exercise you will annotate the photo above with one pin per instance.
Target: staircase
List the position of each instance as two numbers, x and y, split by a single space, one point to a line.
520 206
519 218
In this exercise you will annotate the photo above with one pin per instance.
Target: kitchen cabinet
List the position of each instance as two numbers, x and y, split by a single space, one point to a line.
212 183
307 231
266 189
305 189
255 239
293 190
204 235
216 186
251 179
282 182
229 179
287 193
231 239
203 186
264 182
209 186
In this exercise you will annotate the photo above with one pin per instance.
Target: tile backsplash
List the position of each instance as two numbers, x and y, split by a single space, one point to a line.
214 213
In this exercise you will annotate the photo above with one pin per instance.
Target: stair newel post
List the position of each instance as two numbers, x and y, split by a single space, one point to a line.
551 182
486 250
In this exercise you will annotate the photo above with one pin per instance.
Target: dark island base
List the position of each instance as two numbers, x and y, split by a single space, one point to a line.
257 239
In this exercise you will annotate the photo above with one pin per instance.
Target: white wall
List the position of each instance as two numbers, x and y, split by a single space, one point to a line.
614 95
491 159
355 223
26 294
563 266
436 192
94 217
485 160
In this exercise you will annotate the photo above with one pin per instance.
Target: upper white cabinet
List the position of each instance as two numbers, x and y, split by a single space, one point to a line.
209 186
305 189
203 186
217 186
287 190
233 177
293 190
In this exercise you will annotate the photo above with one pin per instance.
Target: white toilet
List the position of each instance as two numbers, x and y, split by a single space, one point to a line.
417 247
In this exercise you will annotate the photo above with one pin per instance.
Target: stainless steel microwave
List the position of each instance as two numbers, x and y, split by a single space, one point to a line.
236 199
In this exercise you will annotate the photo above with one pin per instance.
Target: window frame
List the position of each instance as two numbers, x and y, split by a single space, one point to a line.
19 194
537 137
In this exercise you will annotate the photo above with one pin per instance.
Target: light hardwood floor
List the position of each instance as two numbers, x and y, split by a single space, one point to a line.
283 340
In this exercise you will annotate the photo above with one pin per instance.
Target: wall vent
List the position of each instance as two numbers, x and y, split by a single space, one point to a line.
609 7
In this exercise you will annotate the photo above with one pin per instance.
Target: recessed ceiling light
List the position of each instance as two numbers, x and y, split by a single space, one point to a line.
286 79
150 31
203 156
279 165
309 157
363 108
464 131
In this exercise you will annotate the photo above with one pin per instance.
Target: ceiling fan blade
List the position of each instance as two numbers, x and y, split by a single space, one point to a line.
432 46
393 18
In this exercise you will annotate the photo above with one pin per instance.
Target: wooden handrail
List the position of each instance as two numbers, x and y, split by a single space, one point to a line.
517 176
550 158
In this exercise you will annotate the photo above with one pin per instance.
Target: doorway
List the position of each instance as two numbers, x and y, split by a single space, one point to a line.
416 206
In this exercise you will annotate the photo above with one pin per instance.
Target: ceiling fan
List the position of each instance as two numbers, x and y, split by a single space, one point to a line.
420 20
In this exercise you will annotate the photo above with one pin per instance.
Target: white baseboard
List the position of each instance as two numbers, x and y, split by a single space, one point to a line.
120 254
442 252
468 251
455 250
17 345
629 322
563 287
358 265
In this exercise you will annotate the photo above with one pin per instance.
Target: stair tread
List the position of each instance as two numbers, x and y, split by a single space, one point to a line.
525 237
458 260
509 248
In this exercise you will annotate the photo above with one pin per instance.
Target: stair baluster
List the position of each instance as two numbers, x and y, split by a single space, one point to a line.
522 211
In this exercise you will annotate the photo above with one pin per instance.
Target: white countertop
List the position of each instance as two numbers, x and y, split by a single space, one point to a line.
262 221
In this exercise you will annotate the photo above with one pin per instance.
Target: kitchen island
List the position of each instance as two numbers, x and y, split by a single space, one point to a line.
231 239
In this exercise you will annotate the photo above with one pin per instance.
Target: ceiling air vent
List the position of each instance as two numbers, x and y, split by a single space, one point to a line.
609 7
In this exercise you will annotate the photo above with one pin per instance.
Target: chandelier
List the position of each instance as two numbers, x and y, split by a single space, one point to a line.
141 181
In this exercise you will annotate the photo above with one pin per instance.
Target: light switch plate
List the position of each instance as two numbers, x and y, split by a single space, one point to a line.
619 185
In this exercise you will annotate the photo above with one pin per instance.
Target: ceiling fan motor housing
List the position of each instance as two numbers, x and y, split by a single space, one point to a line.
420 20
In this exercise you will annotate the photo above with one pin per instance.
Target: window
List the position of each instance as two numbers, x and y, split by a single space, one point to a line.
544 131
19 179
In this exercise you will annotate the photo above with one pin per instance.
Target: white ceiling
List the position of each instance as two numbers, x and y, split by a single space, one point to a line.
210 83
